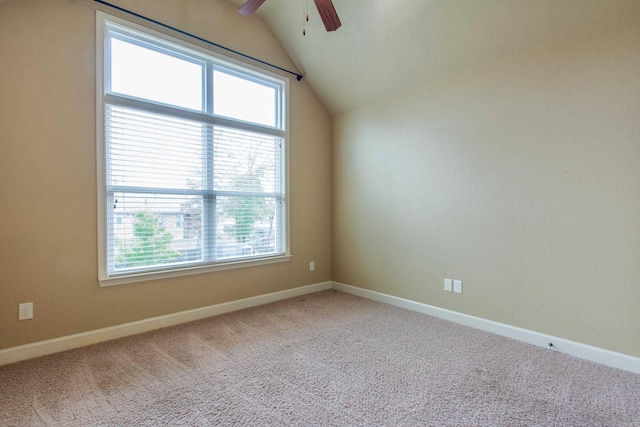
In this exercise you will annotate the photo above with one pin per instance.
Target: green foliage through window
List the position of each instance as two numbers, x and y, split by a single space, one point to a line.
246 211
152 244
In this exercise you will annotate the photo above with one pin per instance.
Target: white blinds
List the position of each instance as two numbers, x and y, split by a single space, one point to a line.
180 191
185 189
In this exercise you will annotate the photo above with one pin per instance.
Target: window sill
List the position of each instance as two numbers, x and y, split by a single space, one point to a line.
186 271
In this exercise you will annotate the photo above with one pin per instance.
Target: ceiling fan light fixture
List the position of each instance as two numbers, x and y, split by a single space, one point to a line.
325 8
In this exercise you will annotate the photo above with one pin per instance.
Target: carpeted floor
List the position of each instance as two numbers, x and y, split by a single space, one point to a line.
323 359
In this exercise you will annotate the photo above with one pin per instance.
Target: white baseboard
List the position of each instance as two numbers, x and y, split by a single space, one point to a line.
42 348
584 351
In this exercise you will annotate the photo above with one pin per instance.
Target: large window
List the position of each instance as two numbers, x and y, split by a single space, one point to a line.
191 155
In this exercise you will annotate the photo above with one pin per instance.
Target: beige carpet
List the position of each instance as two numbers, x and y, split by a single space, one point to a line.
323 359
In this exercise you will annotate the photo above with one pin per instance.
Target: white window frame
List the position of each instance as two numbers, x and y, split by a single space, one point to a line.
103 23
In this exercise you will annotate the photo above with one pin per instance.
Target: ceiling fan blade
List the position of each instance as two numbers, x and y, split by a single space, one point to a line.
328 14
250 6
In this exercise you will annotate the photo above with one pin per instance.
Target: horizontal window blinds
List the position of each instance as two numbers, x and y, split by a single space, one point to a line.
187 192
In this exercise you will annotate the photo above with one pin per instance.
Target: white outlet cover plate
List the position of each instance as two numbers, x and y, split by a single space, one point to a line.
25 311
457 286
447 284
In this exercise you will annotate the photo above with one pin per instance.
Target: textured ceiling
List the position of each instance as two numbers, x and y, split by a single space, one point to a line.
390 47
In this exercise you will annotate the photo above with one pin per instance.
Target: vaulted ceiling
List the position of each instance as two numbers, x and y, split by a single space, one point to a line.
390 47
387 48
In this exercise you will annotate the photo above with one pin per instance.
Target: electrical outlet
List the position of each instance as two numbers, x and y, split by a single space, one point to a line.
457 286
448 283
312 266
25 311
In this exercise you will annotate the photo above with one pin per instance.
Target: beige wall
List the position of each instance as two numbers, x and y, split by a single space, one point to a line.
521 178
48 225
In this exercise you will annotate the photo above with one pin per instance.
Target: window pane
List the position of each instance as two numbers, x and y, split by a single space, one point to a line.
247 226
154 230
245 161
154 151
181 190
243 99
149 74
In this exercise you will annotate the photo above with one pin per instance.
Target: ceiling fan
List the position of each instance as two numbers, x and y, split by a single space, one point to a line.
325 9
